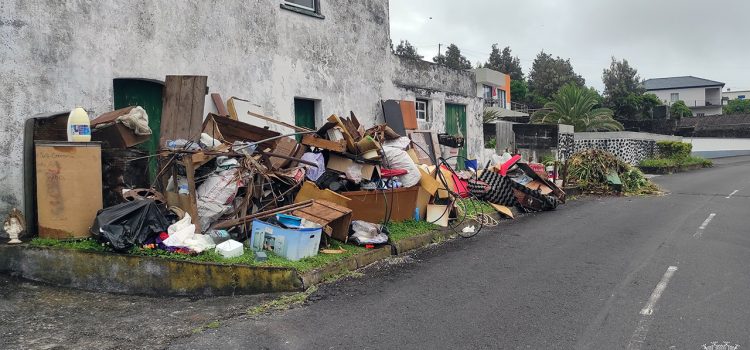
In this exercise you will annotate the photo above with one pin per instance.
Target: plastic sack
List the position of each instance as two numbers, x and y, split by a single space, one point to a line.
180 231
136 119
314 173
398 159
129 224
367 233
220 188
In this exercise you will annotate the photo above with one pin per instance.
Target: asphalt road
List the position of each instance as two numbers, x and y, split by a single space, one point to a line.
599 273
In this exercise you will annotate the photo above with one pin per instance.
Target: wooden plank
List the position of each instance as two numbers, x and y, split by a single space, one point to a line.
200 88
271 120
350 145
314 141
169 109
182 112
230 130
409 113
187 161
219 103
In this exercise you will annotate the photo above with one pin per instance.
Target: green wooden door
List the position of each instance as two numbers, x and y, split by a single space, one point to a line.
455 123
304 113
147 94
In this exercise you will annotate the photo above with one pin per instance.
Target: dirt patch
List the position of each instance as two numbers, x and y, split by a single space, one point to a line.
36 316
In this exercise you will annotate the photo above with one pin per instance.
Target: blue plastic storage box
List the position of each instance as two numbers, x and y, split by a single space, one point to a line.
292 244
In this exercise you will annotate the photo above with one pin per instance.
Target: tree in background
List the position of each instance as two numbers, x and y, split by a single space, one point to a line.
406 49
680 110
737 107
453 58
505 62
518 90
548 75
576 105
624 92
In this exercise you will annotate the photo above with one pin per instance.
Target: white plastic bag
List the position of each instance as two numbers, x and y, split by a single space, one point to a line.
220 188
398 159
180 231
136 119
368 233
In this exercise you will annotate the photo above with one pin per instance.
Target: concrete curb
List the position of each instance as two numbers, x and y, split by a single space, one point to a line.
127 274
311 278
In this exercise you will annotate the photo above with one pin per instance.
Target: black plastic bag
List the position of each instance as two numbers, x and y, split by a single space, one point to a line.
129 224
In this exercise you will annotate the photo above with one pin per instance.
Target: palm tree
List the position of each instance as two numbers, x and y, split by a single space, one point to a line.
577 106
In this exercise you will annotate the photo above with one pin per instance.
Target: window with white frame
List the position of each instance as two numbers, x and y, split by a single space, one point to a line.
421 106
304 4
674 97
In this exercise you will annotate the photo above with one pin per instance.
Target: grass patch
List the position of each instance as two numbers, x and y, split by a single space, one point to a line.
406 229
475 207
89 245
211 325
658 163
210 256
248 258
283 303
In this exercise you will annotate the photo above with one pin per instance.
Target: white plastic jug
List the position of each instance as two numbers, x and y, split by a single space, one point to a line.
79 126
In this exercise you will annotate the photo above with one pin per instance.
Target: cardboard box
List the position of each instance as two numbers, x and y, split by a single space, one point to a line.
371 206
115 135
69 188
310 191
342 164
334 218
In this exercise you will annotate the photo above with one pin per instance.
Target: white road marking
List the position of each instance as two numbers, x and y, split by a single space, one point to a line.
649 308
699 232
732 194
647 313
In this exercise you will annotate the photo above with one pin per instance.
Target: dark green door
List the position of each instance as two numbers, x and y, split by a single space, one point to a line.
455 123
304 113
147 94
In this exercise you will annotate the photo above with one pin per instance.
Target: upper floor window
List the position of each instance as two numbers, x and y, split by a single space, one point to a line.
307 7
502 98
487 92
674 97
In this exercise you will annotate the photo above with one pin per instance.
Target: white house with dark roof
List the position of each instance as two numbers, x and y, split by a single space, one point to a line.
703 96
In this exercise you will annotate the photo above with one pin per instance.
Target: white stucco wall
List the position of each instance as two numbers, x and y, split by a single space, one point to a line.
58 54
695 98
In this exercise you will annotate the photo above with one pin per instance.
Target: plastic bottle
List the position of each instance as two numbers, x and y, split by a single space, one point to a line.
79 126
219 236
416 214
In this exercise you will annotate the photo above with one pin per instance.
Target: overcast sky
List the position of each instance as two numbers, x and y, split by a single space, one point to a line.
660 38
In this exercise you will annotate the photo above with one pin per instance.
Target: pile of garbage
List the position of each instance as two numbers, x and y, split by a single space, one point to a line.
228 184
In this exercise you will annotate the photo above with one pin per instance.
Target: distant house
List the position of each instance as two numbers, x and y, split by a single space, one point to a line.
494 88
735 95
703 96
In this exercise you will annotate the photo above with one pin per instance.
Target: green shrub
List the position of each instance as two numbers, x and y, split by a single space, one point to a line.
658 163
689 161
674 149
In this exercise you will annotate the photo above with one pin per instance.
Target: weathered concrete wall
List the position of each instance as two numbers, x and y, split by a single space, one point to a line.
440 85
58 54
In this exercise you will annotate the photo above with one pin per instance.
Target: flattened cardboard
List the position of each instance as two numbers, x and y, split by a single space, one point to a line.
503 210
69 188
334 218
310 191
428 183
339 163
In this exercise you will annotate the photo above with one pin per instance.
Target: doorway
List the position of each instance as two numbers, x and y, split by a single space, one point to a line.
455 123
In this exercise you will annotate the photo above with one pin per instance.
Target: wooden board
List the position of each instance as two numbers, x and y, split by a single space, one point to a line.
182 112
425 145
221 109
503 210
393 117
230 130
69 188
310 191
328 214
285 146
409 113
315 141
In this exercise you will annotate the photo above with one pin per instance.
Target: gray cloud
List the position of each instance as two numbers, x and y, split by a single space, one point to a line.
660 38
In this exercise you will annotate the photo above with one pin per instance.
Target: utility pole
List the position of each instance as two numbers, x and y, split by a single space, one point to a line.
439 47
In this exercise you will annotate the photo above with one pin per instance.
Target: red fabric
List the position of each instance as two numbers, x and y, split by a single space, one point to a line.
504 168
388 173
539 169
